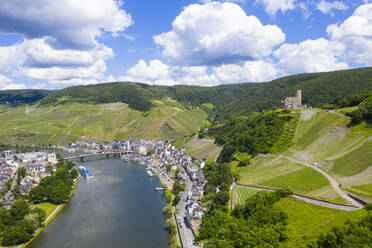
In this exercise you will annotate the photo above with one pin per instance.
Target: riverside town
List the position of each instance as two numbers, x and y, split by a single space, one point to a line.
186 124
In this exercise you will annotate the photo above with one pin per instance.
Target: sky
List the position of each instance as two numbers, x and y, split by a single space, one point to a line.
52 44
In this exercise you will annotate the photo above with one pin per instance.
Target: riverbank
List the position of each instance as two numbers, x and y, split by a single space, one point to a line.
48 219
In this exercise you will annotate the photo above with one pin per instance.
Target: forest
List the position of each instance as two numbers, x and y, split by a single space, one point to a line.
19 223
254 134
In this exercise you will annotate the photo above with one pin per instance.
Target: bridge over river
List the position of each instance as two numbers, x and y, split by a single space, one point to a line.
106 153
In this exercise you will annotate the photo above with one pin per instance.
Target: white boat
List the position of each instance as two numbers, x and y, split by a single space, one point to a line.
149 173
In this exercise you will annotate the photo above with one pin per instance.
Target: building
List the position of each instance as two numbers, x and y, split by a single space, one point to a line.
294 102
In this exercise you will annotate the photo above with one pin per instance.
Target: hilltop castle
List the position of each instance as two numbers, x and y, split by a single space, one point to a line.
293 102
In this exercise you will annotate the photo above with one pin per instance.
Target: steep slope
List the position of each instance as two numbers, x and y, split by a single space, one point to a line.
64 123
321 137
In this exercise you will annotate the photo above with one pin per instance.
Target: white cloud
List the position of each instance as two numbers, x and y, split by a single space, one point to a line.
250 71
158 73
38 60
305 9
310 56
217 33
6 84
328 7
273 6
66 24
356 35
60 38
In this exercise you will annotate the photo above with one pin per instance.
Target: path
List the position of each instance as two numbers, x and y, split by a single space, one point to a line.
51 215
309 199
350 149
335 185
127 125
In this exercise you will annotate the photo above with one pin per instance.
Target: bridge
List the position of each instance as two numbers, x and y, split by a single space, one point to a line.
107 154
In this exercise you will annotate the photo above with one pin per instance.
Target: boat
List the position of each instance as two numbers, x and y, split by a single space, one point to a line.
159 189
85 172
124 158
149 173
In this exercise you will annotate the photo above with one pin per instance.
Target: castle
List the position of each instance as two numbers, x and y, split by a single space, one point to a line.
293 102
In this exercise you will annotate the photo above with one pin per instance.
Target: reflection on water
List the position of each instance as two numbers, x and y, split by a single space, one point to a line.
118 208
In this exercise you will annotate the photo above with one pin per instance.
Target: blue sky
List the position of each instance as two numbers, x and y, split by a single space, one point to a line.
59 43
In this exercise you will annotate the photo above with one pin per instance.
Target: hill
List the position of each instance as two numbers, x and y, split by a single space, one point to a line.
21 97
60 124
228 100
320 137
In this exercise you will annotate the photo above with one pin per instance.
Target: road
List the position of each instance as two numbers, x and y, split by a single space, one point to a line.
187 236
335 185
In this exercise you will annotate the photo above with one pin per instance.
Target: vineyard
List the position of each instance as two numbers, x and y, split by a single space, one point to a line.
240 194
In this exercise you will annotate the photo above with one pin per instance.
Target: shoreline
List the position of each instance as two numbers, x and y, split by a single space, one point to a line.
51 217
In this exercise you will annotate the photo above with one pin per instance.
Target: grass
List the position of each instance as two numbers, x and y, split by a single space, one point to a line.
320 135
354 162
241 194
363 190
202 148
306 221
278 172
47 207
264 168
208 105
347 110
61 124
300 181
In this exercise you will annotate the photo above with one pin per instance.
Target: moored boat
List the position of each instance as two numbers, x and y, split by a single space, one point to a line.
85 172
149 173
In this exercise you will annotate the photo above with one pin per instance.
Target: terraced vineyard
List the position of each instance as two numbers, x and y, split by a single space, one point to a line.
61 124
286 139
320 136
241 194
202 148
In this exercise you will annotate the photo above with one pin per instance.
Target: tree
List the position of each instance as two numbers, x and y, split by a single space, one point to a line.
57 192
37 194
366 108
41 215
15 235
21 172
19 209
62 174
49 168
74 173
5 217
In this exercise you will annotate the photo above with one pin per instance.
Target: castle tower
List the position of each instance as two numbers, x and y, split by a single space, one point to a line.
299 97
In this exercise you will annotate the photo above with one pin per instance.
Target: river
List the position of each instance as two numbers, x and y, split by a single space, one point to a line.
118 208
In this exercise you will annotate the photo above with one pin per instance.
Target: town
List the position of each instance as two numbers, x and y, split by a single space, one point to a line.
37 165
168 162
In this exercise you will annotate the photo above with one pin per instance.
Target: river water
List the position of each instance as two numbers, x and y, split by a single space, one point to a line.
118 208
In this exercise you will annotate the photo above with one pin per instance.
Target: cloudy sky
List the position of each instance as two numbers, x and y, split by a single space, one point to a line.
59 43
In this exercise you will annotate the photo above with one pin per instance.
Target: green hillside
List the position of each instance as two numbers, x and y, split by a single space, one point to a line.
229 100
61 124
306 222
320 136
